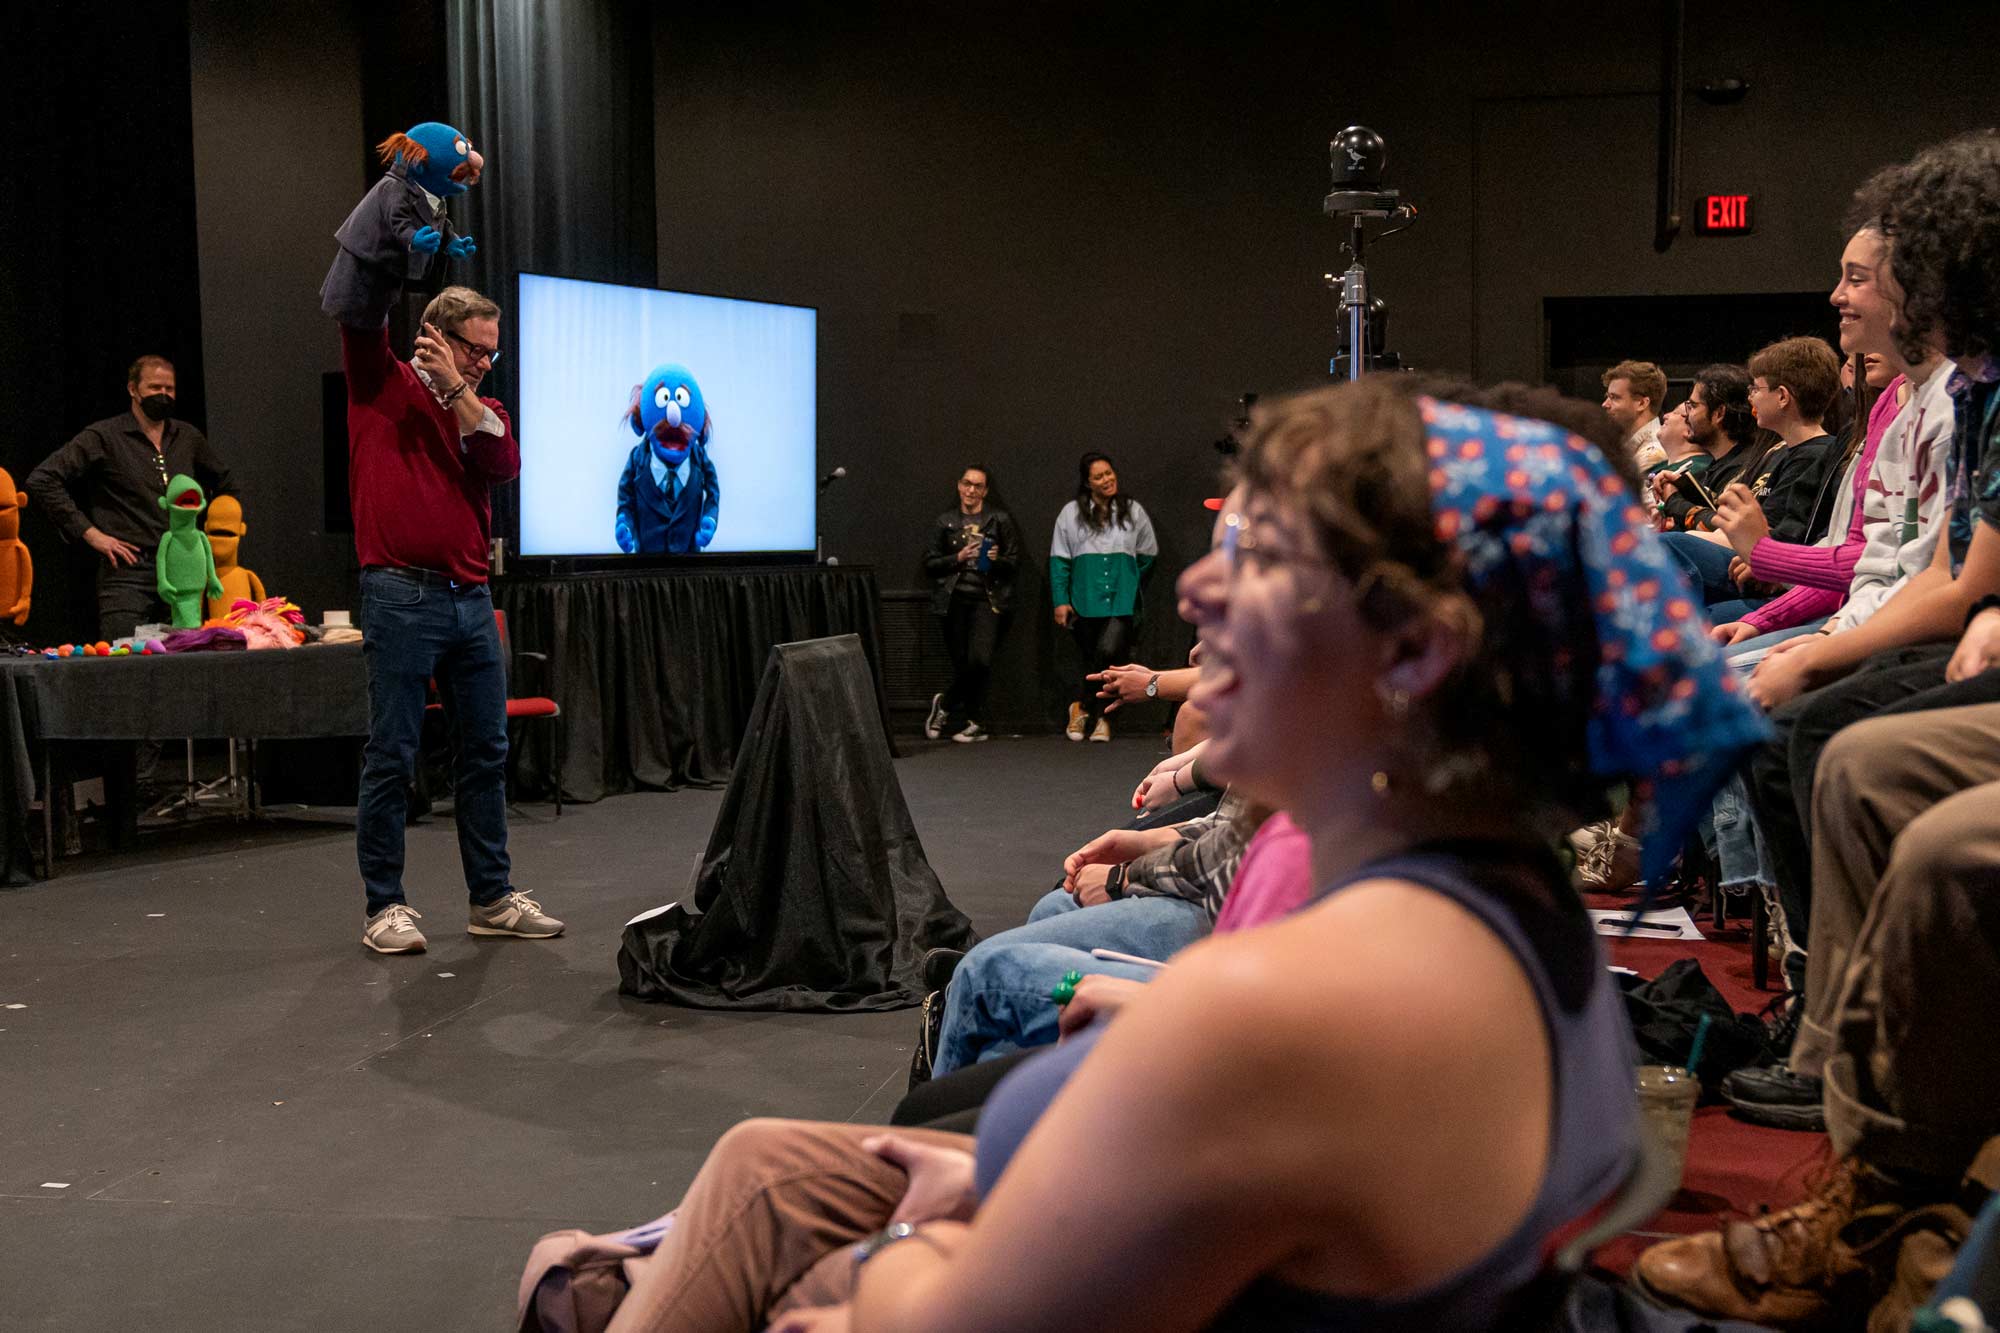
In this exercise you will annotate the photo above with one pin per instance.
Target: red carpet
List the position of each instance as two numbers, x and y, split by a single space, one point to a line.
1733 1168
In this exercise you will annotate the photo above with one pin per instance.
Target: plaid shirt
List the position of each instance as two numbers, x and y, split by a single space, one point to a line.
1198 868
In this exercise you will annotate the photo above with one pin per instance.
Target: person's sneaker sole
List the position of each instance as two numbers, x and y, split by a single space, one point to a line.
1806 1119
474 928
418 947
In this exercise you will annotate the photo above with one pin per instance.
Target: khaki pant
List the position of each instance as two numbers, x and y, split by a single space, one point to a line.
767 1227
1903 962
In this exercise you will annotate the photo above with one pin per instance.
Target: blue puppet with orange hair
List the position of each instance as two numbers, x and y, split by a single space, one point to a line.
387 242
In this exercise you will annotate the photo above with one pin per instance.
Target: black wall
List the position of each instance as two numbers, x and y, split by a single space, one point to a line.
98 259
1106 218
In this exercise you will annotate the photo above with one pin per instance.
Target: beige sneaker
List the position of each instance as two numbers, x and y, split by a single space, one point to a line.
1076 720
393 930
517 914
1102 731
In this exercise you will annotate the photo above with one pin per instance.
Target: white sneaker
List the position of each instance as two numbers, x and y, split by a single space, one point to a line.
517 914
393 930
1102 731
934 724
972 734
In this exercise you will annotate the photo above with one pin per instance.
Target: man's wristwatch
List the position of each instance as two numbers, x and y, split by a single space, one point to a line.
1153 686
1114 882
886 1237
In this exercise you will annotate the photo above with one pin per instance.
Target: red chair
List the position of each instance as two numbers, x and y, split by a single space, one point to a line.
533 706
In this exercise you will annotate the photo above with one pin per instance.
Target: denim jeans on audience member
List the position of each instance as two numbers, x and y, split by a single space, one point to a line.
999 1001
1741 859
417 632
1706 564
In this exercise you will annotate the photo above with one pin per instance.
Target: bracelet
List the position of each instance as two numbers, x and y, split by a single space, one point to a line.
453 396
1177 778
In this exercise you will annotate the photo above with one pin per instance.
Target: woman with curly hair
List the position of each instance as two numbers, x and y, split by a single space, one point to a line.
1435 634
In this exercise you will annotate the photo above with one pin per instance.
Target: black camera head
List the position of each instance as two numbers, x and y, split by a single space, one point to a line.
1358 158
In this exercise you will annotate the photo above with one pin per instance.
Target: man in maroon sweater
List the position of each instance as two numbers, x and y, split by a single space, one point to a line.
424 453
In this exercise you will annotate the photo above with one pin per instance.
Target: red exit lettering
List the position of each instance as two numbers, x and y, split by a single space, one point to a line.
1724 213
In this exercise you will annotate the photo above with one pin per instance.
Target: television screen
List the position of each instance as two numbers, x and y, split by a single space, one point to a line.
664 423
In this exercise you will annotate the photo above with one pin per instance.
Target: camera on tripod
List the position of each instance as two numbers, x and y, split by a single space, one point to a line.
1358 155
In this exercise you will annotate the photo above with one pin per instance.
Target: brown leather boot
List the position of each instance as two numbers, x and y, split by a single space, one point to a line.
1790 1269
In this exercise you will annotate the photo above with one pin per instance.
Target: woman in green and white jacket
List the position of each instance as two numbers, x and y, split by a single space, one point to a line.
1103 546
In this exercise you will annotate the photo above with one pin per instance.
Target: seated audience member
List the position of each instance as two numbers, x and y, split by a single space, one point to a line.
1148 894
1899 515
1817 577
1434 636
1633 394
1904 965
1273 880
1684 457
1943 219
1791 384
1900 493
1719 422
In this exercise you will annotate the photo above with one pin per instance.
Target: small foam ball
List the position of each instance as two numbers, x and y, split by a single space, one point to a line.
67 650
103 648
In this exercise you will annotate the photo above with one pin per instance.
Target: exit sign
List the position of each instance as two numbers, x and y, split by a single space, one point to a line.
1722 215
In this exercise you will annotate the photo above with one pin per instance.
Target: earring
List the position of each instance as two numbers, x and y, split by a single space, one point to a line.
1379 783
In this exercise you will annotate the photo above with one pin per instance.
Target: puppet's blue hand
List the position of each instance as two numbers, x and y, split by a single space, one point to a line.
427 240
624 536
705 534
461 247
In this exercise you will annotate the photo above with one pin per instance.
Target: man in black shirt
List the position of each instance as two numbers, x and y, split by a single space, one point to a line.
1720 424
104 489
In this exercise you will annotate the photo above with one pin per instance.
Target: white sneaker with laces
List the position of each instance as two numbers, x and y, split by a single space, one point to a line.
393 930
971 735
934 724
1102 731
518 915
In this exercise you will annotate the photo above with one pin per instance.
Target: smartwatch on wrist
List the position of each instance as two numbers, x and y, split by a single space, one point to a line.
1114 883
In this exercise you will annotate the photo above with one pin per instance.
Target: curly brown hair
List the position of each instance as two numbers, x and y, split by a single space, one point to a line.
1351 461
1941 212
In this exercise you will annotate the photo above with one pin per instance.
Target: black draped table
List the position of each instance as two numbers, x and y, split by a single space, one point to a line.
320 690
656 671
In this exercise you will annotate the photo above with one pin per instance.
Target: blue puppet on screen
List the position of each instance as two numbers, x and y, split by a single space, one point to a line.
387 242
668 497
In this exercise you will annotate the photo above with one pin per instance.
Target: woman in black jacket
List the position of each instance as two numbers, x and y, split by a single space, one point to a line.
971 559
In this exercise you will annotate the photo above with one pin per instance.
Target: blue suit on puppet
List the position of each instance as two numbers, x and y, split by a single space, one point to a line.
668 497
388 240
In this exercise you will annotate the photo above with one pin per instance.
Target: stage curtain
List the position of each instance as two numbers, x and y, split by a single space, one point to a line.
559 100
656 672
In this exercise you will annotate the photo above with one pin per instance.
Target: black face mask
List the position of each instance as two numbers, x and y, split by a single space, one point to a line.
157 406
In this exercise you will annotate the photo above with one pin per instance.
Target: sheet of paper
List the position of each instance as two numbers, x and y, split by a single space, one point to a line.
1665 923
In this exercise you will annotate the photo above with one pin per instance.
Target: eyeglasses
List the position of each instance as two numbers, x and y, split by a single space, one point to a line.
490 355
972 485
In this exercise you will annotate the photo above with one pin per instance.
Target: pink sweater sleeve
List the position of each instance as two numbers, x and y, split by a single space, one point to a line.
1820 574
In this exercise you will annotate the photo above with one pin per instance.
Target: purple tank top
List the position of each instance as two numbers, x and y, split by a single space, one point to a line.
1593 1139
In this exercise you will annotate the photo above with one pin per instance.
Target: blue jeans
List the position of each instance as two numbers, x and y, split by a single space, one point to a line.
998 1000
1706 565
419 630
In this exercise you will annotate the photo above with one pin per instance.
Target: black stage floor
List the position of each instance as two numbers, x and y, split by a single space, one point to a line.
218 1111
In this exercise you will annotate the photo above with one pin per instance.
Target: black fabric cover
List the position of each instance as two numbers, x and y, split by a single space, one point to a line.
814 892
656 670
1666 1012
315 691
